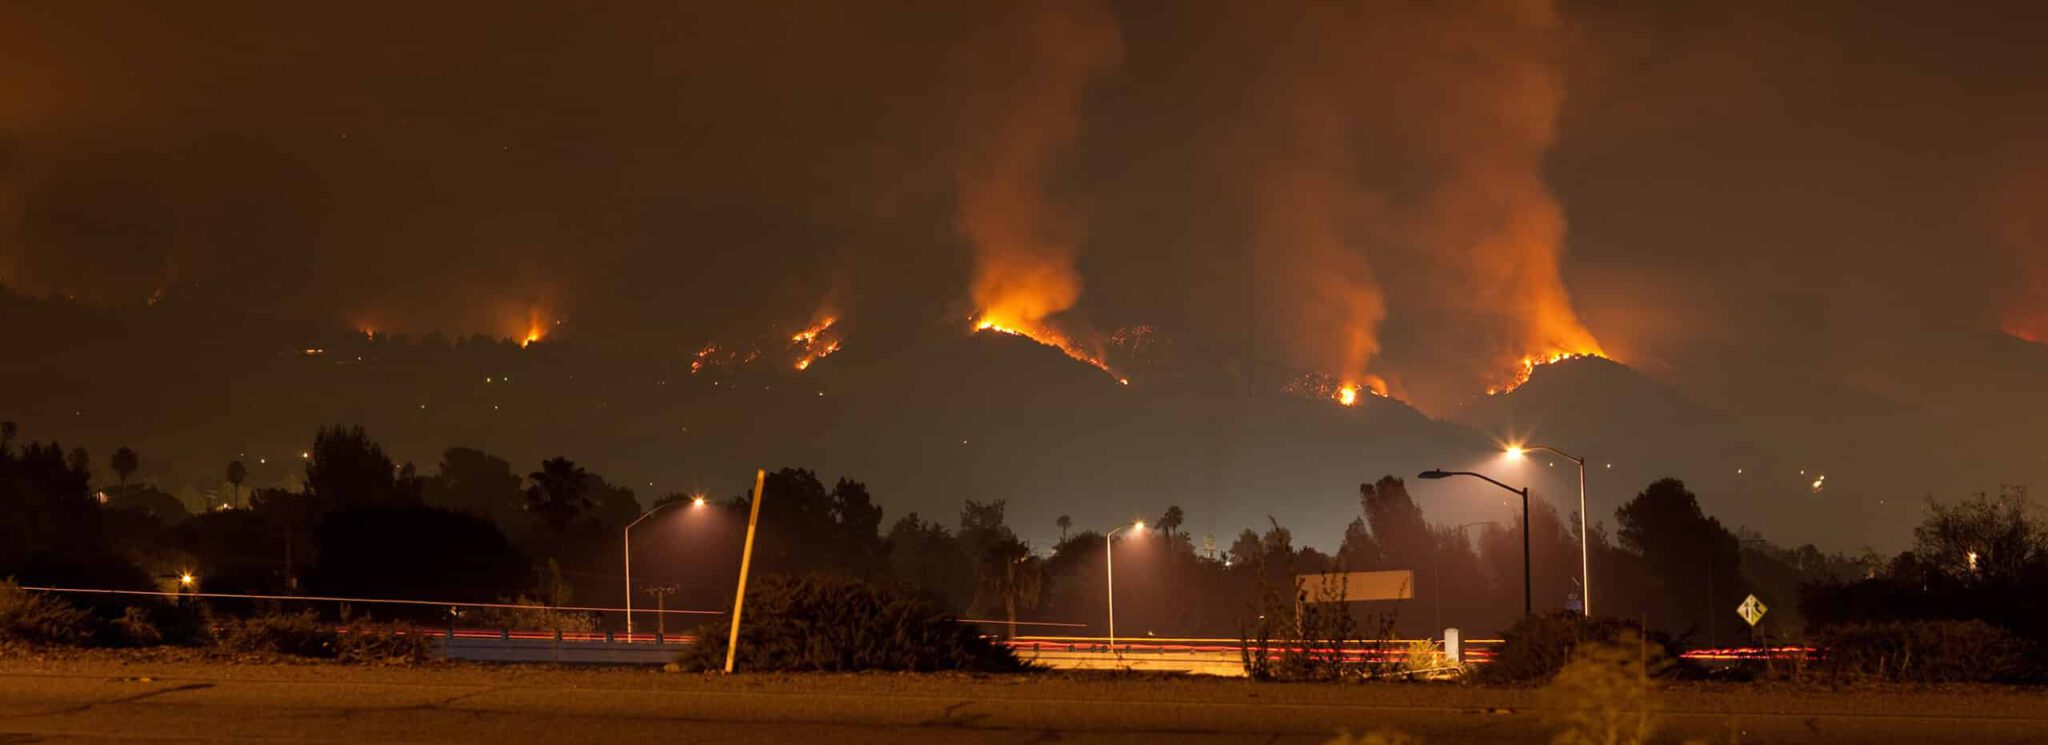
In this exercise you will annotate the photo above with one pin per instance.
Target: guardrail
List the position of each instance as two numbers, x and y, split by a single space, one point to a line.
1126 649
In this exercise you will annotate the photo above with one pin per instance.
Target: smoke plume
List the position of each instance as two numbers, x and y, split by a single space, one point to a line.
1476 92
1025 72
2022 228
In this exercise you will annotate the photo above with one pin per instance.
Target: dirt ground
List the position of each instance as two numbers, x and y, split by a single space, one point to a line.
155 696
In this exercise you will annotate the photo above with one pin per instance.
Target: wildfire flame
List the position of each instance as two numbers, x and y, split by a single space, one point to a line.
1347 394
1529 365
811 344
536 328
1051 338
809 335
822 353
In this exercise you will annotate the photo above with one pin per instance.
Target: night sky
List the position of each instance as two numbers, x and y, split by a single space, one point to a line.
1814 236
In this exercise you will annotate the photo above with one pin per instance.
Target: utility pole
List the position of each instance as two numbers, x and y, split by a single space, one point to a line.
739 597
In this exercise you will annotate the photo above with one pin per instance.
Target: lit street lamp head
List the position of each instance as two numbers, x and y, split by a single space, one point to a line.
186 579
696 501
1138 526
1516 451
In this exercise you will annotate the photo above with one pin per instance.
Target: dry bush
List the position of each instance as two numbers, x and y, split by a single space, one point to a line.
136 628
300 634
835 623
36 618
531 615
1603 695
1924 652
1539 646
384 643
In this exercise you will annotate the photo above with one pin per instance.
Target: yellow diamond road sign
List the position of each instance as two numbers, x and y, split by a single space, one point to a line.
1751 610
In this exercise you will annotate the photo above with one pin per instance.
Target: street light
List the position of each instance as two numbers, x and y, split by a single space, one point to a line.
1528 607
695 502
1109 571
1585 537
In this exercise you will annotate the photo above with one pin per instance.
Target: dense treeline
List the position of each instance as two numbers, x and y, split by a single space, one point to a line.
476 530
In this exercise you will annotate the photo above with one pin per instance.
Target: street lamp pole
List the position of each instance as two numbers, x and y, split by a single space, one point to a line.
1528 606
1585 536
1109 574
628 533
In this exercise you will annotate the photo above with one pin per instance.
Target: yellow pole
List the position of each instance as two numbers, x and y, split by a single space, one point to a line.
739 598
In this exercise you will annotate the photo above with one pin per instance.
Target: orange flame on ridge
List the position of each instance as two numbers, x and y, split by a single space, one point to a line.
812 347
1529 365
1050 337
536 328
1347 394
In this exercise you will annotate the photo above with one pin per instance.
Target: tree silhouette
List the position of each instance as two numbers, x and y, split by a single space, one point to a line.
237 473
348 469
7 432
1011 578
476 482
557 497
1980 539
416 552
1171 521
923 553
1698 561
1064 522
981 526
125 461
1398 530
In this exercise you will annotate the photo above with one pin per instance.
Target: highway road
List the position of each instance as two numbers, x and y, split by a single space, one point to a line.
108 700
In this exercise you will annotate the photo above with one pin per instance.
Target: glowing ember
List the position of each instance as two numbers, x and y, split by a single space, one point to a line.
698 360
817 354
535 328
1048 337
1529 365
811 344
809 335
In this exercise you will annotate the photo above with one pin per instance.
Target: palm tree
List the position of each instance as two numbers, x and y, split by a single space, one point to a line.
1064 522
236 474
557 495
1169 523
1012 576
125 463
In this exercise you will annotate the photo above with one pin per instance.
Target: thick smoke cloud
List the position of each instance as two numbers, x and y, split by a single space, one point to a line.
2020 214
1385 162
1025 73
1349 188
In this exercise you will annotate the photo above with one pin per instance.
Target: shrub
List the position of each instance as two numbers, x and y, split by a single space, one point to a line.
36 618
181 623
300 634
136 628
387 643
531 615
1923 652
1602 696
1307 635
1538 646
1423 659
834 623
